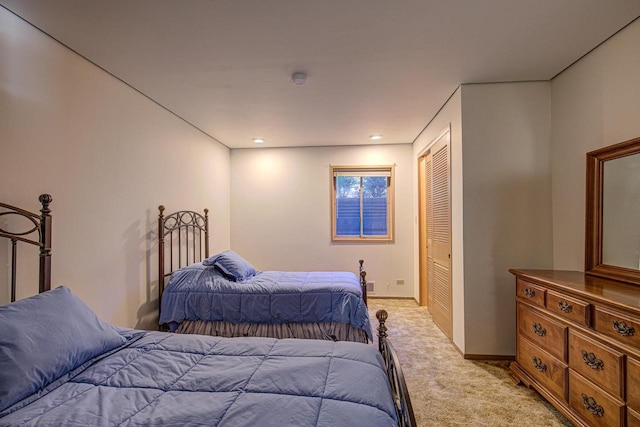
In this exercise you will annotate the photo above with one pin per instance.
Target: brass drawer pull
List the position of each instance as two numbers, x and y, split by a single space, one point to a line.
592 406
539 330
592 361
623 329
565 306
530 292
537 363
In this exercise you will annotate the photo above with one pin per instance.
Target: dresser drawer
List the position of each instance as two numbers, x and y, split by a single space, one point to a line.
633 418
530 292
543 331
603 366
545 368
569 308
633 384
623 328
593 404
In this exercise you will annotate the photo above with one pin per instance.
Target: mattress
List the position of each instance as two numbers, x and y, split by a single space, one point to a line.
165 379
198 292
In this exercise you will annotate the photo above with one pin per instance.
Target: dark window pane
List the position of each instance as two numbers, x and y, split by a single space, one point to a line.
347 206
374 218
366 204
348 217
374 206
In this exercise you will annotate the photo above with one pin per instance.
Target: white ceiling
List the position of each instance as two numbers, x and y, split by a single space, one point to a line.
373 66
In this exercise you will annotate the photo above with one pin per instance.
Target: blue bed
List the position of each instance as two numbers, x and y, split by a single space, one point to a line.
224 295
203 293
60 365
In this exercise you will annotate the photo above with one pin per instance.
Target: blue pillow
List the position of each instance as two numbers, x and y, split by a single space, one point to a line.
211 260
234 267
43 338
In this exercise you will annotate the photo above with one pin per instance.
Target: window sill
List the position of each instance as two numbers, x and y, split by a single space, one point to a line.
362 240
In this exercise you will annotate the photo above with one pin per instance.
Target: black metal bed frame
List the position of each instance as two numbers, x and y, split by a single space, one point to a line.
41 227
183 228
399 390
363 282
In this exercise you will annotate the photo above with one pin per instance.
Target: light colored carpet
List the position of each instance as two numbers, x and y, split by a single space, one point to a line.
447 390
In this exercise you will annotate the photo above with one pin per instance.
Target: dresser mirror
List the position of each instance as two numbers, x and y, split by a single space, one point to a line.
612 243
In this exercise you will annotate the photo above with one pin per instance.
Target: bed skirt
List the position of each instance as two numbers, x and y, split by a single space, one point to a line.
320 331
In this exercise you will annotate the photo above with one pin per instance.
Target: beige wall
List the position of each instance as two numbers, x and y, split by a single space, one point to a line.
104 151
523 150
507 210
280 204
595 103
449 117
500 175
108 156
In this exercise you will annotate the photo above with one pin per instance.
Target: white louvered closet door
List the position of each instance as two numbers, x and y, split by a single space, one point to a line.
439 235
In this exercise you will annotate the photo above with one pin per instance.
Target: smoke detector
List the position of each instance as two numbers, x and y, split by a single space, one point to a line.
299 79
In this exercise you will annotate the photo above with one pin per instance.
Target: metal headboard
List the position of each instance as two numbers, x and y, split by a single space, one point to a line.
41 228
187 235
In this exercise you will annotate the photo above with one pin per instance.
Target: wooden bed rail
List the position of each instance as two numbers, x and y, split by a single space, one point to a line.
42 227
399 390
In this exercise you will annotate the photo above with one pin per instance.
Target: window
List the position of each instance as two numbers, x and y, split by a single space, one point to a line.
361 203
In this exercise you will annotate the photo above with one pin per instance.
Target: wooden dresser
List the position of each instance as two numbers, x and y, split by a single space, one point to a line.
578 345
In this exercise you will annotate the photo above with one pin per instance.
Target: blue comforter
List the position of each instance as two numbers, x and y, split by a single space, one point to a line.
163 379
198 292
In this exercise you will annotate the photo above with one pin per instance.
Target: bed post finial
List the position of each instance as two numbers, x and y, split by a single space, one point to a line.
160 254
45 243
46 200
206 233
363 282
381 315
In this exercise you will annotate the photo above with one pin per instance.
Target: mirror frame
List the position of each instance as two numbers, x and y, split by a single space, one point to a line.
593 235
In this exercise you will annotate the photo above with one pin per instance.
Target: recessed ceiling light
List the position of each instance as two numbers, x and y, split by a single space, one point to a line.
258 140
299 79
375 137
